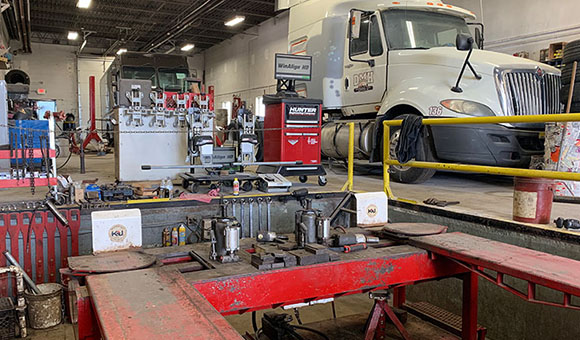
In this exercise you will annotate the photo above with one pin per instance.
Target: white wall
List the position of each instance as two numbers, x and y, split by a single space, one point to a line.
244 64
52 67
525 25
87 67
196 64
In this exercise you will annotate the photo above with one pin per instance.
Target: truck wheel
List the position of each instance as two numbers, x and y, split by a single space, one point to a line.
194 187
184 183
567 74
303 179
246 186
404 174
322 181
565 91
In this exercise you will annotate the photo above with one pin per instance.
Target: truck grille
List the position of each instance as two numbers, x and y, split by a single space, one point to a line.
528 92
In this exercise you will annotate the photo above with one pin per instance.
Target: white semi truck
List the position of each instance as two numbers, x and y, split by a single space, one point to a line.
376 60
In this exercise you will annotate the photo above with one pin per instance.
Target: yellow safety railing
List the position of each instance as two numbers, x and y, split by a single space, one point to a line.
387 161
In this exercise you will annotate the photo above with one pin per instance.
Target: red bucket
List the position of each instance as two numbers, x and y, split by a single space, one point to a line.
533 200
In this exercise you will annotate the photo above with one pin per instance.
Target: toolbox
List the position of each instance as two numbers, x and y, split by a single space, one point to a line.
292 127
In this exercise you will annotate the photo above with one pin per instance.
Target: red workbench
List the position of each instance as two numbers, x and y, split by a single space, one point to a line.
161 302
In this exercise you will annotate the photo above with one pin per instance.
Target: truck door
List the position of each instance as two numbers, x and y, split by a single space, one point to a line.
365 68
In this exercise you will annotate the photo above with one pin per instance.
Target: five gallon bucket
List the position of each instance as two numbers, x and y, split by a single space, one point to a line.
45 310
533 200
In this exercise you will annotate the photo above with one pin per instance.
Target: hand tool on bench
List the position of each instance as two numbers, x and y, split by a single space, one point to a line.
440 203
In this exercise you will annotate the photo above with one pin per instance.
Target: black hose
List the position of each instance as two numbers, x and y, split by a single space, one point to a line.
254 322
65 162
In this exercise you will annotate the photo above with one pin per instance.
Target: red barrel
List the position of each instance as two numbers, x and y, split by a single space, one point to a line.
533 200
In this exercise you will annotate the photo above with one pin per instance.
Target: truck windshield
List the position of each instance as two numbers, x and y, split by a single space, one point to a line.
410 29
172 79
139 72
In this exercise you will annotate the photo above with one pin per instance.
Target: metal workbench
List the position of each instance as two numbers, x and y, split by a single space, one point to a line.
161 302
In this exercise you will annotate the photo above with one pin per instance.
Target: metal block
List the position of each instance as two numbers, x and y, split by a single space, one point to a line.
333 256
305 258
316 248
263 266
277 265
290 261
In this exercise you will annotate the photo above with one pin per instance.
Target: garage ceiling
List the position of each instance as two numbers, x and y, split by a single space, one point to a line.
144 25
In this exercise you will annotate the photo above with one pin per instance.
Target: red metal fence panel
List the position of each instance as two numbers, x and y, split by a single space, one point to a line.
32 241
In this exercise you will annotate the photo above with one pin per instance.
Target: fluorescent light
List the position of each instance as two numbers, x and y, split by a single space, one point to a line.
235 21
72 35
187 47
121 51
84 3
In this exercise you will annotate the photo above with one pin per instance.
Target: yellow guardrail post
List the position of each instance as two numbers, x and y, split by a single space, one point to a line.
386 157
350 180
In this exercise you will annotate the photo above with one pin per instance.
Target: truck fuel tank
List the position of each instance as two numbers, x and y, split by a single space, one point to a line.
334 139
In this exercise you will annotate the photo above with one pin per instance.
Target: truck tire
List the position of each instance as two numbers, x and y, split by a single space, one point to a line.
575 107
407 174
571 52
567 74
565 90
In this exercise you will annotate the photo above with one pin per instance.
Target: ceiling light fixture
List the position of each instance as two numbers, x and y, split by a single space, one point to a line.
72 35
84 3
187 47
236 20
121 51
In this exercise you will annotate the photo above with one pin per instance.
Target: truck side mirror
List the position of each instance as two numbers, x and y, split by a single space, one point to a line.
478 38
464 42
355 21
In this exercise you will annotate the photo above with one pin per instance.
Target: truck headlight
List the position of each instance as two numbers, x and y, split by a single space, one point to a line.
467 107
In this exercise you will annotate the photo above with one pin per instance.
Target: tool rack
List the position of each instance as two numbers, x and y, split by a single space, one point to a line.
49 178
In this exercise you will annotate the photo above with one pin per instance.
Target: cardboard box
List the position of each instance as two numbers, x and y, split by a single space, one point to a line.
555 50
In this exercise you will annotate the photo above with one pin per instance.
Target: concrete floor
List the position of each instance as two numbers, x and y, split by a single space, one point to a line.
480 195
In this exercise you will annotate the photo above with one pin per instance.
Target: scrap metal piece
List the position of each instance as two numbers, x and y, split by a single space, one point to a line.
27 278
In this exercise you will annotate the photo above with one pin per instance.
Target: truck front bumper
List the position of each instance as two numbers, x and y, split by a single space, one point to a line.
495 145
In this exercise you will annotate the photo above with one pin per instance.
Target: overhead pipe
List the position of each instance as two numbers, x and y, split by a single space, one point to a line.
181 26
22 14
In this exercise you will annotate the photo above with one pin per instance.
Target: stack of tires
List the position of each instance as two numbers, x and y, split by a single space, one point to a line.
571 54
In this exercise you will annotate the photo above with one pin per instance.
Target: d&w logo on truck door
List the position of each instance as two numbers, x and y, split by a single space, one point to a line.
362 81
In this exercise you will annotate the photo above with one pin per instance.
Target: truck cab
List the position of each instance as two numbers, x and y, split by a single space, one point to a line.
375 60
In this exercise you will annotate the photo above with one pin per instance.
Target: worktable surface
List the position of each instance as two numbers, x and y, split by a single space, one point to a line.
160 302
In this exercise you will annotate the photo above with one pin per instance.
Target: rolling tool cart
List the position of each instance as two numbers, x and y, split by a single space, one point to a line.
292 124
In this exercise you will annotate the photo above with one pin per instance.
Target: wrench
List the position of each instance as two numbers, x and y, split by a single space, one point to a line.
260 200
225 207
234 201
268 203
251 213
242 203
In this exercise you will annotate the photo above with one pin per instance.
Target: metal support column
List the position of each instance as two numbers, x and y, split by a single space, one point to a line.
469 310
399 296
